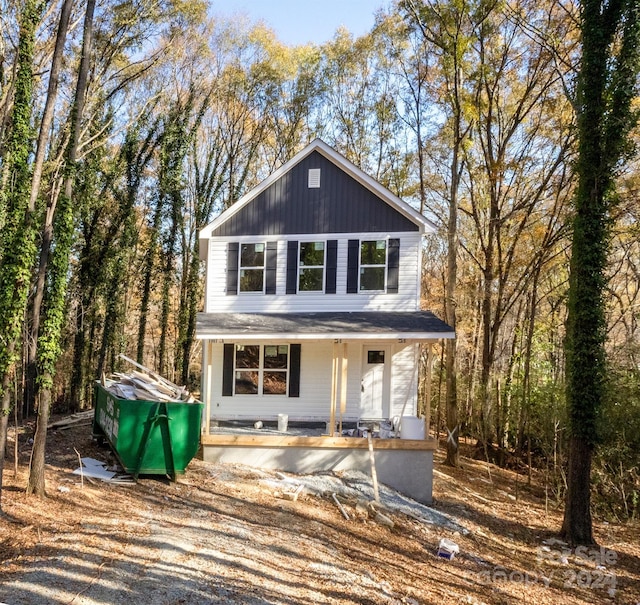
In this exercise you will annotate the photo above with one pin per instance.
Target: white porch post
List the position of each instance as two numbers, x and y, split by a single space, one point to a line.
334 390
343 382
206 385
427 420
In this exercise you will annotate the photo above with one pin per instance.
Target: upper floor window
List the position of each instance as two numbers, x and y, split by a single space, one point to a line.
311 265
373 264
252 258
261 369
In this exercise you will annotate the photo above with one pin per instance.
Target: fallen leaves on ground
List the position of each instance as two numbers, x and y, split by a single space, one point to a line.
226 534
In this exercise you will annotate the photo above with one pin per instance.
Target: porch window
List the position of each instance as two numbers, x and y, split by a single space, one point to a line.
375 357
261 369
311 267
252 258
373 263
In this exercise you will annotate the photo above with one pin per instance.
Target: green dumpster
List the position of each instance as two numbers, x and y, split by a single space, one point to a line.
148 437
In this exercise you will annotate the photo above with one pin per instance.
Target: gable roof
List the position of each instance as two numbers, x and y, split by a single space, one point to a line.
274 198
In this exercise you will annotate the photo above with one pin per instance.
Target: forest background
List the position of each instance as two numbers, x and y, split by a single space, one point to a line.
126 126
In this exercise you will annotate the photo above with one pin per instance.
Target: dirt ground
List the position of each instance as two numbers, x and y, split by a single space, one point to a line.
227 534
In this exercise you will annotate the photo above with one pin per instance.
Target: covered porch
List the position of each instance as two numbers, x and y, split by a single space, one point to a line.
345 366
355 368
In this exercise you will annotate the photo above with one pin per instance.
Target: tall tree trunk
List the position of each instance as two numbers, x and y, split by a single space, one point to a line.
607 84
442 27
18 235
76 391
149 265
450 303
47 232
167 283
487 328
115 298
188 312
505 397
525 410
175 147
50 346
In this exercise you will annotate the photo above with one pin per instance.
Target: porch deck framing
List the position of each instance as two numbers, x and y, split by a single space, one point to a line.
348 443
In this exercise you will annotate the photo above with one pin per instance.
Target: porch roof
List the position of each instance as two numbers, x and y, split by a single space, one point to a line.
369 325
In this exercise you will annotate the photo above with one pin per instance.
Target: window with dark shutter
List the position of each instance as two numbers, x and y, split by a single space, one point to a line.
373 261
292 267
311 265
353 252
332 266
232 267
393 266
252 265
263 370
294 370
227 370
271 268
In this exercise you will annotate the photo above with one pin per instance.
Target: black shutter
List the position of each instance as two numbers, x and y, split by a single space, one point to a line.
353 253
393 266
272 265
294 370
292 267
332 266
227 370
232 267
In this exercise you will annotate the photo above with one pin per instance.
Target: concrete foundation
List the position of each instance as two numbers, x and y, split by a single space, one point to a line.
404 465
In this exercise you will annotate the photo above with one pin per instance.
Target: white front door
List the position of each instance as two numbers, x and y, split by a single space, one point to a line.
374 400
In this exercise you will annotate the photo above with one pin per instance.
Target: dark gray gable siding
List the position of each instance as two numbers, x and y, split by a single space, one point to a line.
339 205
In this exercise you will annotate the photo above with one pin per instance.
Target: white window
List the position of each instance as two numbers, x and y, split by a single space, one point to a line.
311 263
373 265
252 257
261 369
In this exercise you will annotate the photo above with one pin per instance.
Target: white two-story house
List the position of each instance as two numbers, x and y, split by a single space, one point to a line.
312 299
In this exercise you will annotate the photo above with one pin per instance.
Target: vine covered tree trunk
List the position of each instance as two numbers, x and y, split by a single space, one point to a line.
18 235
49 346
188 311
47 231
606 87
148 271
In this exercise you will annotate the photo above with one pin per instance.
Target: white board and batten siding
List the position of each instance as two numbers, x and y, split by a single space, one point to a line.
218 301
404 380
315 385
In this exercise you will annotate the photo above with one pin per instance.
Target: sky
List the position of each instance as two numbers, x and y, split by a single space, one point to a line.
303 21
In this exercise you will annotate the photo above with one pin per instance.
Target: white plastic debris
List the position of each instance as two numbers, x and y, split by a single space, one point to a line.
447 549
95 469
98 470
